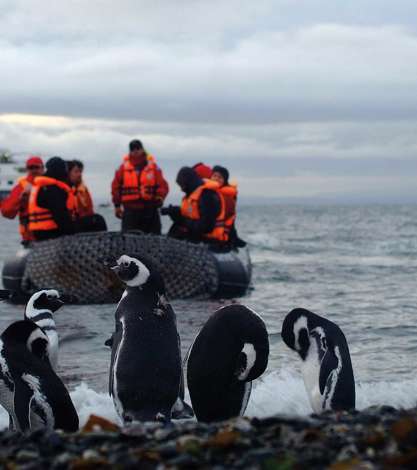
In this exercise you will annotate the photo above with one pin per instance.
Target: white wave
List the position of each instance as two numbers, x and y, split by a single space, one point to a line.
282 392
279 392
87 401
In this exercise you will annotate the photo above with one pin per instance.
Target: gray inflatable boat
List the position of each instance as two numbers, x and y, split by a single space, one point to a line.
75 265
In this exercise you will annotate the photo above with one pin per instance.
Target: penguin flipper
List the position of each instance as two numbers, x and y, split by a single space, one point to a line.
23 395
328 364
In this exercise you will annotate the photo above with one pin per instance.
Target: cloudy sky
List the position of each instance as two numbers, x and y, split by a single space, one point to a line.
301 99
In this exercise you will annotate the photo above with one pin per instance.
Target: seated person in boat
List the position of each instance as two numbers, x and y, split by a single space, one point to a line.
202 212
220 174
139 190
86 219
52 203
16 203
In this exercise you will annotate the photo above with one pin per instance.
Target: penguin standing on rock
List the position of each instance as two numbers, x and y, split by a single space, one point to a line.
326 365
30 391
145 371
40 309
229 352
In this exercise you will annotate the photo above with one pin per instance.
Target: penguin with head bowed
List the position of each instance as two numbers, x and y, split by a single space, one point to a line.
40 309
36 398
229 352
326 365
145 370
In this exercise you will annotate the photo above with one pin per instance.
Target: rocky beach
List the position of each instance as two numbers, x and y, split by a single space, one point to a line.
378 437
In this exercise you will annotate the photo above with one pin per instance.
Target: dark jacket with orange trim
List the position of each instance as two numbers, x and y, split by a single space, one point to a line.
55 199
209 207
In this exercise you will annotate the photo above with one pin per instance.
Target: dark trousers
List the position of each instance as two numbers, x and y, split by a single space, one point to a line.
91 223
146 220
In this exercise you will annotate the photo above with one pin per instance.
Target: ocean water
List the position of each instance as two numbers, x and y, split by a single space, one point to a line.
356 265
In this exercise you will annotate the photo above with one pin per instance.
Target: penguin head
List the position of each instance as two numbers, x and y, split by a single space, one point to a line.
28 334
132 271
295 331
137 271
47 299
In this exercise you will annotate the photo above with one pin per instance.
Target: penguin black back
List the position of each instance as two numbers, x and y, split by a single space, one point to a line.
229 352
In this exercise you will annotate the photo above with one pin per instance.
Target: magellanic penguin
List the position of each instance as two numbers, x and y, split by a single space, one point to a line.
40 309
229 352
145 371
30 390
326 365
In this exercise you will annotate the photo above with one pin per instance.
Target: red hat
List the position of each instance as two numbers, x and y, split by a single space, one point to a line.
33 160
202 170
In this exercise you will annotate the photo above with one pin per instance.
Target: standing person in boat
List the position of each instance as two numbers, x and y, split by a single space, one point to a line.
139 190
52 203
86 219
220 174
16 203
201 215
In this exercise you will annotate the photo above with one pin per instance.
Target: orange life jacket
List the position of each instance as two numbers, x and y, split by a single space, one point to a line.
190 210
24 231
229 193
41 218
83 200
142 188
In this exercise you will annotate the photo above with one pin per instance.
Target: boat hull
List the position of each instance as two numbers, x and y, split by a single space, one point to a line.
77 266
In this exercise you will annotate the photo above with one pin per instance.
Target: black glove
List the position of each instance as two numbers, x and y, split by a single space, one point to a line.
173 211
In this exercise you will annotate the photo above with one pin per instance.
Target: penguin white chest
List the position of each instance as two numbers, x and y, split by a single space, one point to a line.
310 369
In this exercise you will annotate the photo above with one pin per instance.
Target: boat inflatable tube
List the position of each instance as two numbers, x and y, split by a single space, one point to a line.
76 266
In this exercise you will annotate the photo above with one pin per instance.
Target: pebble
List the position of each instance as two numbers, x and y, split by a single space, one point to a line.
375 438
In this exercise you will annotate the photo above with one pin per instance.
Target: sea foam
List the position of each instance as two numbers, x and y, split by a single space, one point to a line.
279 392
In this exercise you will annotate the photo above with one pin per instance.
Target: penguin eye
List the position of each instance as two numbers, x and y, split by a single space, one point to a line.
125 264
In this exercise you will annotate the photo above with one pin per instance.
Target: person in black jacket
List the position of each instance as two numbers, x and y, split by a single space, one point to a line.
54 198
209 208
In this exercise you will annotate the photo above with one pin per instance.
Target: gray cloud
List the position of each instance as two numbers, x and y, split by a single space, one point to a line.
298 98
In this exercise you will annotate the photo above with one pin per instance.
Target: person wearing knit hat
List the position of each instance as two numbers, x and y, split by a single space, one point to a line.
16 203
229 192
52 203
221 175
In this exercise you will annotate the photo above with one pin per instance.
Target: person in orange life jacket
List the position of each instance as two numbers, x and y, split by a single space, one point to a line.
209 208
17 201
139 190
203 171
220 174
86 219
51 202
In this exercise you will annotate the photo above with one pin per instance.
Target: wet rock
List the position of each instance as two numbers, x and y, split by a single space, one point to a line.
97 423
